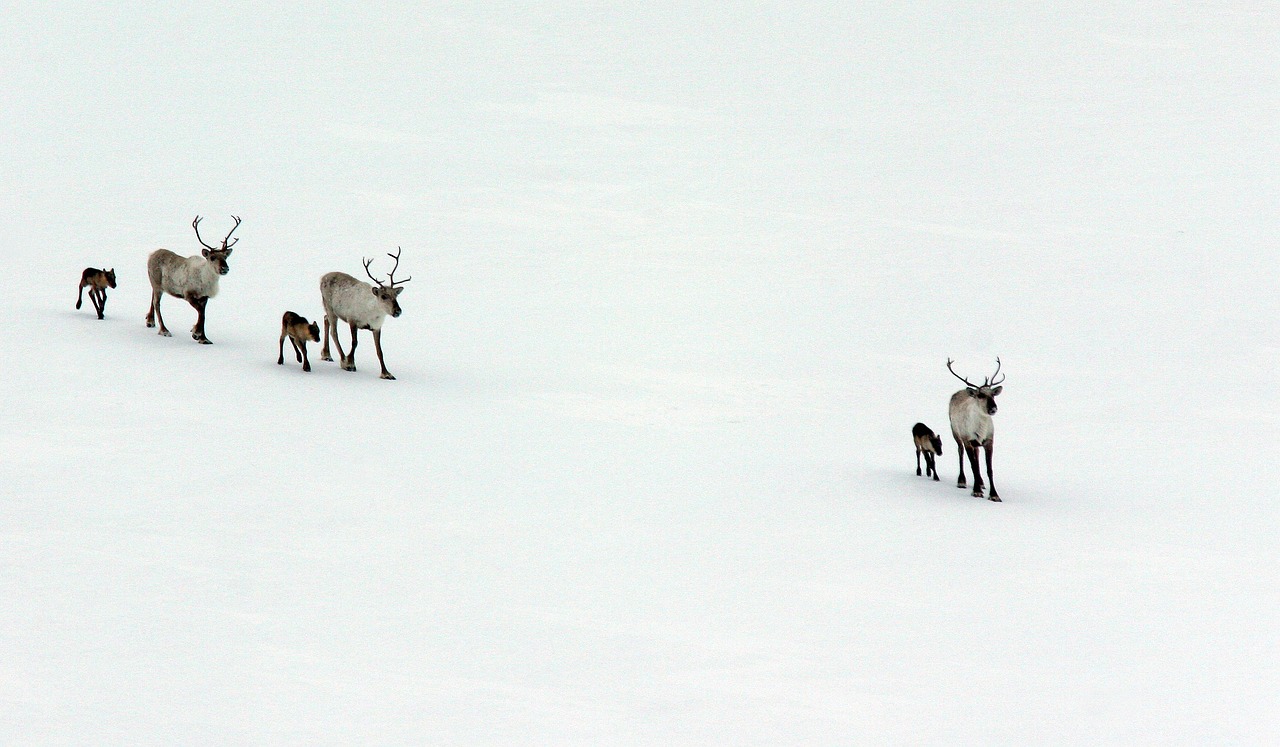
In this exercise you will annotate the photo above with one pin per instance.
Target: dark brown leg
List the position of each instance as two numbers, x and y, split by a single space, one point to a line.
972 450
296 352
197 332
991 480
203 303
917 462
80 295
377 345
99 299
306 362
962 482
280 358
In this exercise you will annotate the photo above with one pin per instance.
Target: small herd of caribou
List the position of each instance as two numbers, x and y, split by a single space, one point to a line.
971 426
194 279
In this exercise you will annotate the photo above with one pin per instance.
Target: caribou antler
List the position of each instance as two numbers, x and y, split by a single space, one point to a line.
391 278
985 382
958 376
196 225
368 262
225 245
993 376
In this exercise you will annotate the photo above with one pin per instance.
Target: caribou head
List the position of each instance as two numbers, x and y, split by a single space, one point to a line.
388 293
987 391
217 256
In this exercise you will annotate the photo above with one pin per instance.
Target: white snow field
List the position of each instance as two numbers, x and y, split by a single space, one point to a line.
684 277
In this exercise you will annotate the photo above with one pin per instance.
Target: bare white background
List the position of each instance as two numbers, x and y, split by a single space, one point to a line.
683 279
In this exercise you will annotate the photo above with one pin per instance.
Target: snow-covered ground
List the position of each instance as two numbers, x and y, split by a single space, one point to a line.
684 276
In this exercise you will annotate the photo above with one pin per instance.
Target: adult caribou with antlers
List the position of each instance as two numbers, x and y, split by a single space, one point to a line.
193 279
972 427
362 306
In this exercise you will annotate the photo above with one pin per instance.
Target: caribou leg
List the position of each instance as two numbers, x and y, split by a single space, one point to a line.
324 351
960 449
337 342
80 296
377 345
991 480
154 315
280 358
971 449
349 363
918 462
297 353
197 332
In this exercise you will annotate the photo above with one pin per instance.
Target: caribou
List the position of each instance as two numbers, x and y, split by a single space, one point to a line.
97 281
193 279
362 306
971 426
927 443
298 330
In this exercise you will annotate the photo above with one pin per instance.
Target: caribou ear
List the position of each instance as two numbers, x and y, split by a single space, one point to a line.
205 252
374 290
972 392
997 390
398 291
227 252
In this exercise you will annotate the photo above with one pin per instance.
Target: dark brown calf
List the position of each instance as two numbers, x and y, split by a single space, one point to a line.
929 444
97 281
296 328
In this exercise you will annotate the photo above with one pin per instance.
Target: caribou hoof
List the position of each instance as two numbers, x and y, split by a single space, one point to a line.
165 333
994 497
348 366
935 479
387 376
326 357
204 341
151 325
978 494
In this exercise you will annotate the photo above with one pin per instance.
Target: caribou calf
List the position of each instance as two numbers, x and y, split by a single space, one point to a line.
971 426
362 306
296 328
929 444
97 282
194 279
